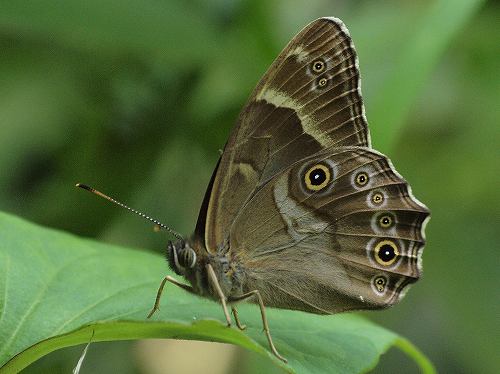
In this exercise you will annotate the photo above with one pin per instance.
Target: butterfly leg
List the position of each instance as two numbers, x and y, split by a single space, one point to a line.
168 278
215 284
256 293
237 320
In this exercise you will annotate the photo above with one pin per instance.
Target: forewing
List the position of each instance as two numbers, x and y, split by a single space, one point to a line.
309 100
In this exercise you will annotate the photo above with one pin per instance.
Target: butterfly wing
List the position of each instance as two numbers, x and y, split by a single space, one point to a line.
335 231
309 100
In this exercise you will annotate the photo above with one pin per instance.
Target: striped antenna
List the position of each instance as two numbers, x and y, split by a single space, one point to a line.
155 221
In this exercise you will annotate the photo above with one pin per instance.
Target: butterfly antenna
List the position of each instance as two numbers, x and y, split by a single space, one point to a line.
155 221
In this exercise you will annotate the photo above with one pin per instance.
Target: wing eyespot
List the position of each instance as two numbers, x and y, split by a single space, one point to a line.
321 83
361 179
386 221
318 66
376 199
379 284
386 252
317 177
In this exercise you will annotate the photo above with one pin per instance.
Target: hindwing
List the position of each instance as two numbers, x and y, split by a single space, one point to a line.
351 239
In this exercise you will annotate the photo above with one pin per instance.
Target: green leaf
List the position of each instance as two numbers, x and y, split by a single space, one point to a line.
56 290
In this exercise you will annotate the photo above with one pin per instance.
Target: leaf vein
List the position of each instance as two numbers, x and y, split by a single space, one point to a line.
37 301
97 303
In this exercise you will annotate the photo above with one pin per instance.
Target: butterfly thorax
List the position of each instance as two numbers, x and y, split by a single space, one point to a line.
190 260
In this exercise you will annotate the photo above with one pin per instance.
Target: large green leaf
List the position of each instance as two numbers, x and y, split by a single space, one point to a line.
56 290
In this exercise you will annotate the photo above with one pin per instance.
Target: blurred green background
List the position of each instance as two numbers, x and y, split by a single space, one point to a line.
136 98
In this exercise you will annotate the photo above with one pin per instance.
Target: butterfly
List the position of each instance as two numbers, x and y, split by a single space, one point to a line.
301 213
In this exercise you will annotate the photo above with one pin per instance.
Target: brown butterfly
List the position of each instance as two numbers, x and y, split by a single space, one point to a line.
300 212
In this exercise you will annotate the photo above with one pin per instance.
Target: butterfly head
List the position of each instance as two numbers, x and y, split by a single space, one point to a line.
181 257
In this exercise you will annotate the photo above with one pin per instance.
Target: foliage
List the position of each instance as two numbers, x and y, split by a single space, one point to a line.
137 97
58 290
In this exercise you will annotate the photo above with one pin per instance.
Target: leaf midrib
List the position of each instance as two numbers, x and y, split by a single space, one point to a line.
5 288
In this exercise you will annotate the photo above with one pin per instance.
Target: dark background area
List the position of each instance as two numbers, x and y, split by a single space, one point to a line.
137 97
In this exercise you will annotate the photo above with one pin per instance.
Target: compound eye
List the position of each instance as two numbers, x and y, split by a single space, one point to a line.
317 177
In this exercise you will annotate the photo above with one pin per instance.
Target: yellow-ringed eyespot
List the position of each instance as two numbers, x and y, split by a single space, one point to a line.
318 66
361 179
321 82
386 252
380 282
386 221
317 177
377 198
